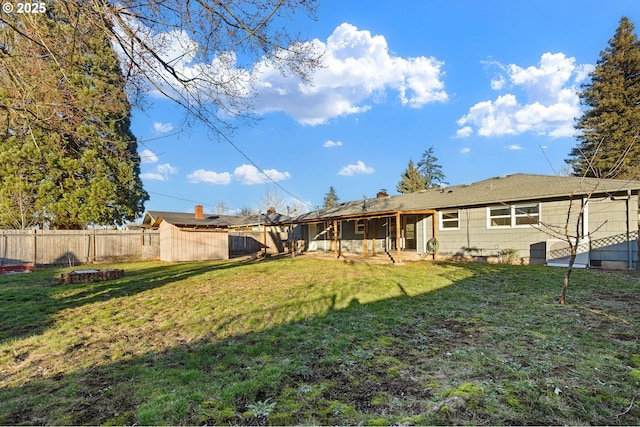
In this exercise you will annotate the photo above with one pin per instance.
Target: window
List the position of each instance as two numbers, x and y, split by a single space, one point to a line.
360 226
527 214
500 216
513 216
449 220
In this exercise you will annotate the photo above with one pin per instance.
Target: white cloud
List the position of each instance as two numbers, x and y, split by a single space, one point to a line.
162 127
219 81
209 177
358 67
464 132
245 174
331 143
148 156
152 176
249 175
161 173
357 168
514 147
465 150
498 83
491 118
166 169
544 101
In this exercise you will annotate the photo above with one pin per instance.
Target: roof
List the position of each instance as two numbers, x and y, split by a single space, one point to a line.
503 189
152 219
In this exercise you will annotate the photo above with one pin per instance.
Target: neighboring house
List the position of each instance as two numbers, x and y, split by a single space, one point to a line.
200 237
483 220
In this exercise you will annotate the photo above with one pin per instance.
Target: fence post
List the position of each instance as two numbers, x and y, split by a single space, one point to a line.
5 250
35 248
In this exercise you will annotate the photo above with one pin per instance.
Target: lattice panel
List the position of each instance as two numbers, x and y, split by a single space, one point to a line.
616 239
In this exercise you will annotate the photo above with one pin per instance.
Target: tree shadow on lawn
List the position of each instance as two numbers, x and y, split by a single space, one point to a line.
395 357
30 301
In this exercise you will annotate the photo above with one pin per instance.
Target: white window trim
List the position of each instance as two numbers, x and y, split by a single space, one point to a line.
441 222
512 216
359 222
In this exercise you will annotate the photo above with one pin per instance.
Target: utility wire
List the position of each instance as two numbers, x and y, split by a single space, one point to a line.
185 102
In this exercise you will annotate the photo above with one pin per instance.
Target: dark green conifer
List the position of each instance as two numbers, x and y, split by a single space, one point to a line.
411 181
609 130
69 157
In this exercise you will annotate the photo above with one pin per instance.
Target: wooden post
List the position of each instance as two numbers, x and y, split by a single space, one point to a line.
93 247
398 232
35 248
434 231
264 229
335 236
365 250
374 238
331 237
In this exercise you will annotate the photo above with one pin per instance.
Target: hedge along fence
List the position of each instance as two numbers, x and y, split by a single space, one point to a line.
74 247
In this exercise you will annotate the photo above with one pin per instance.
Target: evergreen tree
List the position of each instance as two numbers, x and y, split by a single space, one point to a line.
412 180
69 157
608 131
331 198
431 171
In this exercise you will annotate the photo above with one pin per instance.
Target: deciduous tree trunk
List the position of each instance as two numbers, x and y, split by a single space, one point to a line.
567 273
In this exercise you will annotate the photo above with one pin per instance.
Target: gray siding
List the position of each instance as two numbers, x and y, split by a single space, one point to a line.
607 221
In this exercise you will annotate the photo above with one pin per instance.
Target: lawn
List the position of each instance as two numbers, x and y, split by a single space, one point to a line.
311 341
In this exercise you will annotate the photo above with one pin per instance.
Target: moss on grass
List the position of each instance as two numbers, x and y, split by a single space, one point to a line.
325 342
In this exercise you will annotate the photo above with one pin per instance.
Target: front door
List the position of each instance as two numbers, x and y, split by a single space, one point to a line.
409 231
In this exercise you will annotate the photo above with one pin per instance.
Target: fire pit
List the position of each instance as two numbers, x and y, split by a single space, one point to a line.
86 276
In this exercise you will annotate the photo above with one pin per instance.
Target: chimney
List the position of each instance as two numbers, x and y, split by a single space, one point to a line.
382 194
199 212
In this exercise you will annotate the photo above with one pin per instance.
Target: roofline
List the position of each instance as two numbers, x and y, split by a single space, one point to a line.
548 198
368 215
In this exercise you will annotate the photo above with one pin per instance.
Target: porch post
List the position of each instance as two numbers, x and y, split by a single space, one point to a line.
336 237
398 231
435 229
264 230
365 247
629 221
374 238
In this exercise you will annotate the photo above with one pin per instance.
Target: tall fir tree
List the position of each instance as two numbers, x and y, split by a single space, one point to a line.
70 157
411 181
609 130
331 198
430 170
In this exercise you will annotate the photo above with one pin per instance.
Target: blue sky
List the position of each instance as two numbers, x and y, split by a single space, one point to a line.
489 84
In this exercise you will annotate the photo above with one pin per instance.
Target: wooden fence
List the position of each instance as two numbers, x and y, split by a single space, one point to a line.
74 247
248 242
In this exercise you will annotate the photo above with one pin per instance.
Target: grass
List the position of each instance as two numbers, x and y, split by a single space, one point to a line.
308 341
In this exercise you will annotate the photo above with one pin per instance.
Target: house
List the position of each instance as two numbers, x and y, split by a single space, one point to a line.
201 237
518 213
